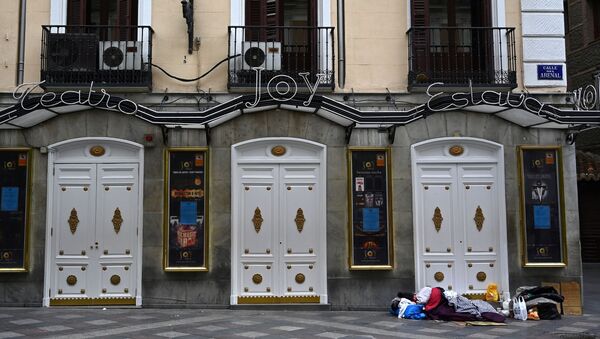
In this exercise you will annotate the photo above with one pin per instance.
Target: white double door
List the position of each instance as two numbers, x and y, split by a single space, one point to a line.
458 227
94 234
278 250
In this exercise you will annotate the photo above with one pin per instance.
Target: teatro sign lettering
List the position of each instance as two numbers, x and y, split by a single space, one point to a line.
100 99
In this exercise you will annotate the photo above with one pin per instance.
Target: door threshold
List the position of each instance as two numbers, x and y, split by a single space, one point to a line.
283 307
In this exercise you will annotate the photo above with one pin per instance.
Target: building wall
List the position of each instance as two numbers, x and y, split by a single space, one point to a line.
583 52
376 44
346 289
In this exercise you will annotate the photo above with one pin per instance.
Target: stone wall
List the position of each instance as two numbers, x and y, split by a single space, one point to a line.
346 289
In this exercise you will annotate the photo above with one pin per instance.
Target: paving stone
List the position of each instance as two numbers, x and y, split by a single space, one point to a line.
211 328
524 323
571 329
10 335
504 330
344 318
388 324
172 334
2 316
432 330
69 316
245 322
101 322
252 334
55 328
482 336
287 328
332 335
25 322
141 317
585 324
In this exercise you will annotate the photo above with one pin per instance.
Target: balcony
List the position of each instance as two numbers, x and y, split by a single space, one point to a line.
281 51
117 57
457 55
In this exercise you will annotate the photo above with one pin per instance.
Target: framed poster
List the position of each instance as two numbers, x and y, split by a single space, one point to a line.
370 219
542 206
186 205
15 176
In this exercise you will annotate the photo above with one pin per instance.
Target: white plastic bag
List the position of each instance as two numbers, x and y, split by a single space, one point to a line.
520 309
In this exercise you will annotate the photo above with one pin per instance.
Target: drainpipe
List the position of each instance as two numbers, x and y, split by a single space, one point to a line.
341 44
21 56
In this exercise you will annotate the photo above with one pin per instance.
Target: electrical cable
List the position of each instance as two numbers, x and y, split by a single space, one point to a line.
198 78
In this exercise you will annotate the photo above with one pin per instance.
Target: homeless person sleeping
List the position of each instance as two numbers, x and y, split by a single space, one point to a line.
437 304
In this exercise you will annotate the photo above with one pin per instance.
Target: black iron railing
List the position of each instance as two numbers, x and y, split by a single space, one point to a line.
110 56
286 51
457 55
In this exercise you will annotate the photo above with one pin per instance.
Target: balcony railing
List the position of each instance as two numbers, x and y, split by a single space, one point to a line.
286 51
110 56
457 55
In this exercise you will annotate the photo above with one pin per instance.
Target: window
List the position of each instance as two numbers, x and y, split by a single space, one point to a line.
105 13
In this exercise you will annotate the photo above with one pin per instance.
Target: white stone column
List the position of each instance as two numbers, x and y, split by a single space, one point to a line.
543 40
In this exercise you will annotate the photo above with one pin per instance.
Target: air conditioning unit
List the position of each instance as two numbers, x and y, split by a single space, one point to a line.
262 54
120 55
71 52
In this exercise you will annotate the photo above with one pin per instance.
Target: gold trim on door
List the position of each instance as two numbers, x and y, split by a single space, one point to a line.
300 220
257 219
479 218
91 301
117 220
73 221
278 300
437 219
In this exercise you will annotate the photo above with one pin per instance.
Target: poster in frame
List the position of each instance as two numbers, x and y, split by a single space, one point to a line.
15 196
370 214
543 224
185 234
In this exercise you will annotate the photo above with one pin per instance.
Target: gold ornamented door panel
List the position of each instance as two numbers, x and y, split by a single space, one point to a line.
278 231
94 234
459 228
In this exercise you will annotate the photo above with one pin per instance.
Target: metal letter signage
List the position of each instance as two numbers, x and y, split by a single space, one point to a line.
14 208
371 243
542 206
186 206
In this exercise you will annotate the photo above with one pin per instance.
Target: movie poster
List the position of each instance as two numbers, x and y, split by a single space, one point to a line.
186 206
541 195
14 185
370 214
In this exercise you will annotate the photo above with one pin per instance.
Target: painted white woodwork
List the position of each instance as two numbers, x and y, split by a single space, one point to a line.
543 40
466 190
270 196
94 215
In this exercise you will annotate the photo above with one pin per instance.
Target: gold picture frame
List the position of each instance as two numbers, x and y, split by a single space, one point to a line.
547 160
186 261
27 217
369 263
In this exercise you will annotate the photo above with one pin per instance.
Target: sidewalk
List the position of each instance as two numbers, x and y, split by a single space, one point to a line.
194 323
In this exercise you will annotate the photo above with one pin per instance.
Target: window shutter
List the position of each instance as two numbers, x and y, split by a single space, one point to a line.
76 12
127 16
419 10
255 16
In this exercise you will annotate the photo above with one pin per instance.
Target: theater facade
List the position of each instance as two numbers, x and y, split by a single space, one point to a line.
285 152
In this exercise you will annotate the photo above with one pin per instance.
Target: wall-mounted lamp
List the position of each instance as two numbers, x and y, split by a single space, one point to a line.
188 14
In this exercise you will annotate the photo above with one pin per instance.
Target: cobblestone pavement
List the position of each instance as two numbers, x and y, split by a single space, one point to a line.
203 323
